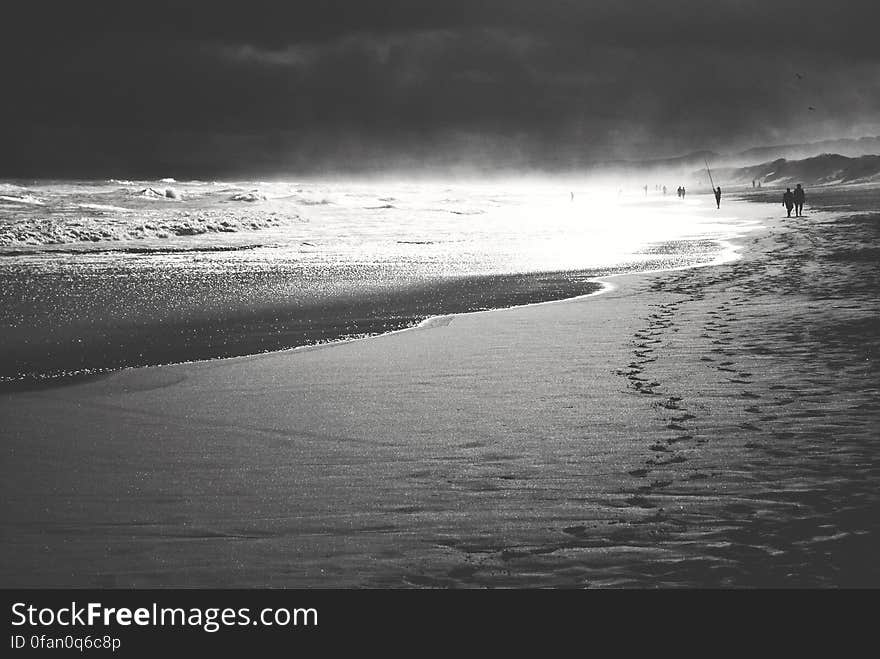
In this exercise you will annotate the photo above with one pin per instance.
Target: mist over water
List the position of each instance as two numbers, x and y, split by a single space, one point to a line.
104 274
517 226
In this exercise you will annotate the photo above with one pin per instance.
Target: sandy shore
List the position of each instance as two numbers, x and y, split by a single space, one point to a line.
713 426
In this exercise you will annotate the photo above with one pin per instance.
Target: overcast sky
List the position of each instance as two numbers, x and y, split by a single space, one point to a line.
210 88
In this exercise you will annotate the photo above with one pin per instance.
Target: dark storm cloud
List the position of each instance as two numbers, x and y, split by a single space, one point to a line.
205 88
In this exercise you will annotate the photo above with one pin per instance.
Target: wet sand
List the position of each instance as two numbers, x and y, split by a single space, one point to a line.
706 427
55 331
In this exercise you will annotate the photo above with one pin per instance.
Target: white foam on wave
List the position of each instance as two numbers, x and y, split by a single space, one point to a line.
153 193
251 196
309 201
12 189
67 231
24 199
105 207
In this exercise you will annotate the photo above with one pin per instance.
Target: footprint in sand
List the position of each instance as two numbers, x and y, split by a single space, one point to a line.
577 531
639 502
678 459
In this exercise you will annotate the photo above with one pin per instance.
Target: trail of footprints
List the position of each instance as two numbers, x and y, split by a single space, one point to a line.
679 417
687 427
676 413
715 342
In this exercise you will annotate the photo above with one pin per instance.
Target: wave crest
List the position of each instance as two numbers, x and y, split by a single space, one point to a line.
52 231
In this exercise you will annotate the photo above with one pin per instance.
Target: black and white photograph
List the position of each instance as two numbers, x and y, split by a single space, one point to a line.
410 294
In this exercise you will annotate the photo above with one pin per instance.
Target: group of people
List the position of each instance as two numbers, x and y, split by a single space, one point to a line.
794 200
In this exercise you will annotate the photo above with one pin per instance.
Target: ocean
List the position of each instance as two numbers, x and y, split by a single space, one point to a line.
102 275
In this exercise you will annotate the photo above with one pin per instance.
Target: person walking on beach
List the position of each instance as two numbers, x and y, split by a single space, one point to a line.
682 192
718 196
788 200
799 197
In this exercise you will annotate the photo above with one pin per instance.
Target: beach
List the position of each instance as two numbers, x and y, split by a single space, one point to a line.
96 276
709 426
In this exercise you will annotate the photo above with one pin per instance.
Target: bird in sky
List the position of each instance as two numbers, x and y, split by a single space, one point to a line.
811 108
798 76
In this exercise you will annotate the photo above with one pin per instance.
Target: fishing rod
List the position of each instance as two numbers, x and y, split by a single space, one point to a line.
710 174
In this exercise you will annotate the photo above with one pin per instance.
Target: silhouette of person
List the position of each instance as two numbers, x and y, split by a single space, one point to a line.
799 197
646 189
788 200
718 196
664 189
682 192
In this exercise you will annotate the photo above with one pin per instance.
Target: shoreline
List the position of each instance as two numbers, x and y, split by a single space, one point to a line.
93 347
673 431
728 254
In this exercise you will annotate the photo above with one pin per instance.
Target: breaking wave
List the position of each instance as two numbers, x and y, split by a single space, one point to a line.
52 231
23 199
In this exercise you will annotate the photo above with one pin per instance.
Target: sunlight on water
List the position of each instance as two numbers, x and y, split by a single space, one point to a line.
103 275
435 228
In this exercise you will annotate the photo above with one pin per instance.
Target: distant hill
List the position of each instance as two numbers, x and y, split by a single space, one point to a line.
844 160
659 170
686 162
824 169
852 148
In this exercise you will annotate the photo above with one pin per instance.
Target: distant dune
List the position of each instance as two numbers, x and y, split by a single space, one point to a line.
852 148
825 169
814 163
677 164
